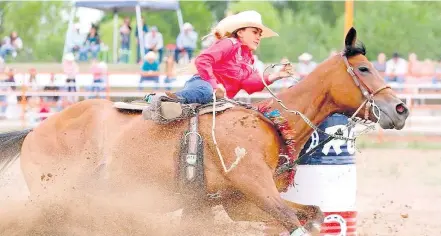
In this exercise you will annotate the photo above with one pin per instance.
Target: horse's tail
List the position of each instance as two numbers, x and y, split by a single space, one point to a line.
10 147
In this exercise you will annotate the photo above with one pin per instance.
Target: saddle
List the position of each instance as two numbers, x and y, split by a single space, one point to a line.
164 110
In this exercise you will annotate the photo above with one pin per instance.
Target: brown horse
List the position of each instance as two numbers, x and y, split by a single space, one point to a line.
67 147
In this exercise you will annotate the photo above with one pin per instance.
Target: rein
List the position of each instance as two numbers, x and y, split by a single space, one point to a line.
368 103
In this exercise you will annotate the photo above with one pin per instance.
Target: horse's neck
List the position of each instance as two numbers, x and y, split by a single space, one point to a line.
310 97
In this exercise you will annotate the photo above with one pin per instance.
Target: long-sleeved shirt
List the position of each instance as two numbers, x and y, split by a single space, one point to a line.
187 40
230 63
150 41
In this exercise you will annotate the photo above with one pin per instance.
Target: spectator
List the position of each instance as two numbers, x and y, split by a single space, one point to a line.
77 39
170 72
125 30
99 72
52 87
396 69
92 45
3 89
305 65
414 66
70 69
153 42
2 64
150 69
144 30
380 64
437 78
11 45
427 68
186 41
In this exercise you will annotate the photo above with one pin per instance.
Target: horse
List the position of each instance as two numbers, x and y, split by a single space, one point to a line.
68 146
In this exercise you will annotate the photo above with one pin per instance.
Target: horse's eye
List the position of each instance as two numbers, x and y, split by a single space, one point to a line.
363 69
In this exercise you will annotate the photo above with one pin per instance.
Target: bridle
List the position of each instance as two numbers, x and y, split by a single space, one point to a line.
368 103
367 92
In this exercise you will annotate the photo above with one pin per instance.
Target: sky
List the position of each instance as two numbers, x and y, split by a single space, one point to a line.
87 16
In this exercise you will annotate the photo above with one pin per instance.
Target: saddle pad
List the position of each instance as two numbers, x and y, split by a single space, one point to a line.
134 106
220 106
140 105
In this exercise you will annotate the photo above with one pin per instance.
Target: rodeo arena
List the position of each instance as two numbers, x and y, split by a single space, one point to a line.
188 139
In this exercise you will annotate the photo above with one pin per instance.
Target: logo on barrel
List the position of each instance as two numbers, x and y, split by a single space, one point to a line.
339 224
335 144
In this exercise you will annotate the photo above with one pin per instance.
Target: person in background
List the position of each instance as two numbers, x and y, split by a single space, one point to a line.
153 42
125 30
186 41
92 44
396 69
170 71
437 77
71 70
149 69
380 64
11 45
305 65
99 72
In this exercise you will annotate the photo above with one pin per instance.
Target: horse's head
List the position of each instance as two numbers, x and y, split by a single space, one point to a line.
356 82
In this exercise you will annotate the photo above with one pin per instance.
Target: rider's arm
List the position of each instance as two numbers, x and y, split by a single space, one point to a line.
205 61
254 82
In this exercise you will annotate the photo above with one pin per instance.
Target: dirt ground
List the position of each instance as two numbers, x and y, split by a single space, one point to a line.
399 193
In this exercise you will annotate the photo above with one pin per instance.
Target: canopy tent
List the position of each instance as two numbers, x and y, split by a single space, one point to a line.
125 6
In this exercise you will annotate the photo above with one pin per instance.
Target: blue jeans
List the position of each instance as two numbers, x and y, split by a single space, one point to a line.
148 78
397 79
196 90
188 50
169 81
124 57
93 49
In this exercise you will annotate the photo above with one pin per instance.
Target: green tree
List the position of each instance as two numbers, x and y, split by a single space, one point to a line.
40 26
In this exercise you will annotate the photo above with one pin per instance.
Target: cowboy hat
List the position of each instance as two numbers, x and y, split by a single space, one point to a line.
305 57
243 20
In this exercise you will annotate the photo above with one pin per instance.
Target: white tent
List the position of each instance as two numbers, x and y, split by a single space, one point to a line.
124 6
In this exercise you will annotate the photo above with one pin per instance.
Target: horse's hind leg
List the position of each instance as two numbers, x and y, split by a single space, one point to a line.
244 210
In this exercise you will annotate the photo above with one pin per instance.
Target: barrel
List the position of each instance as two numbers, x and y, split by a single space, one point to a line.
327 178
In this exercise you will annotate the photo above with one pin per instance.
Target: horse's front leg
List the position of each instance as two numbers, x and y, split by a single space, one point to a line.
241 209
254 179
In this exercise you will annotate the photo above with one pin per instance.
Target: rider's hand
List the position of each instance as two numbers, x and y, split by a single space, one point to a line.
287 69
220 91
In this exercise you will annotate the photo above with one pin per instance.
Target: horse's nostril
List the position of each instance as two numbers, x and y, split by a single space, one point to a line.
401 109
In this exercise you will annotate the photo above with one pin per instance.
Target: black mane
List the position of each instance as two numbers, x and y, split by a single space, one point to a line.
354 50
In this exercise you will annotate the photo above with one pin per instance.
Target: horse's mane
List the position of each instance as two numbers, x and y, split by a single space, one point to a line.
350 50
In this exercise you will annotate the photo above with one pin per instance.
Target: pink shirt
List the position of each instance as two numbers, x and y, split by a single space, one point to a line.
230 63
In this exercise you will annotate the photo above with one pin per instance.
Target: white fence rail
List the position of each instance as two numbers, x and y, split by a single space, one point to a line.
420 121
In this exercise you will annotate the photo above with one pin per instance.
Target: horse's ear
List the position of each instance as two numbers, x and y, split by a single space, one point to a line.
351 37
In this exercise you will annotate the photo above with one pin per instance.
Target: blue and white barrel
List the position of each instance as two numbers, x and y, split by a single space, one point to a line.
327 178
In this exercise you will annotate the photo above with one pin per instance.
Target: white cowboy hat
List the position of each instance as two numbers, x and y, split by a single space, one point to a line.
69 57
150 55
187 26
305 57
242 20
